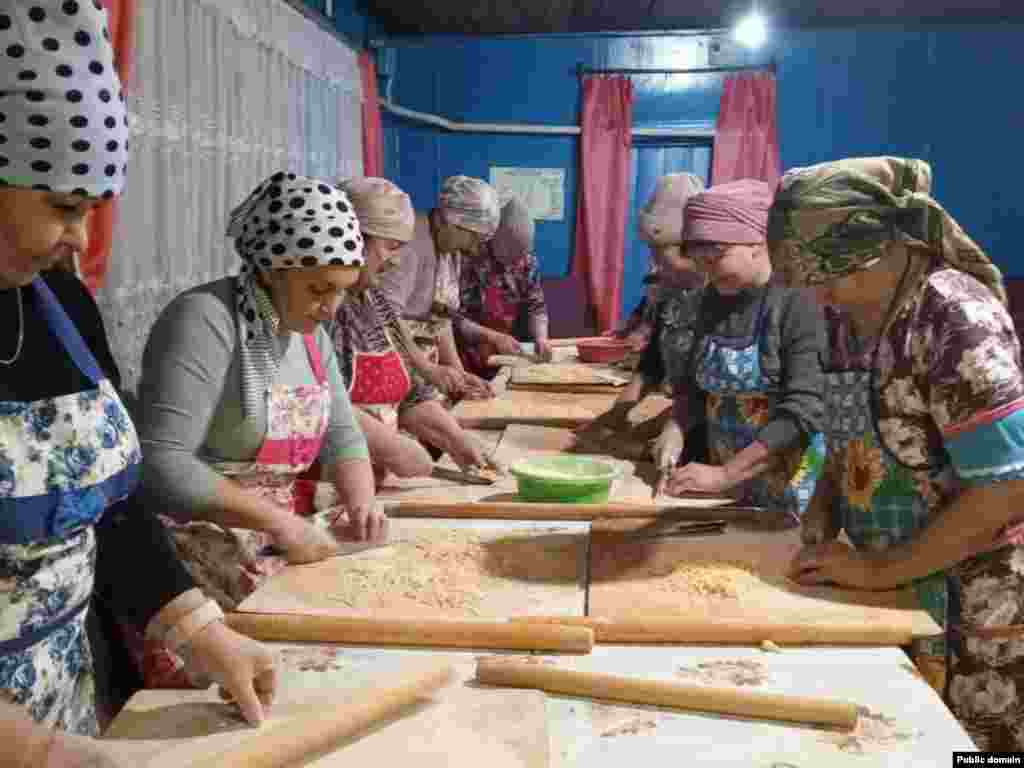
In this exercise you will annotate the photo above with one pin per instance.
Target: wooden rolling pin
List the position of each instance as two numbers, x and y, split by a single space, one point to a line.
573 342
664 693
522 510
673 629
293 740
496 635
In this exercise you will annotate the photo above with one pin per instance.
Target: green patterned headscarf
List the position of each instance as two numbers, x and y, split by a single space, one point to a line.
833 219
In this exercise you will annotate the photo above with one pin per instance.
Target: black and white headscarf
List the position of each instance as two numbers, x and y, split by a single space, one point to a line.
63 121
288 222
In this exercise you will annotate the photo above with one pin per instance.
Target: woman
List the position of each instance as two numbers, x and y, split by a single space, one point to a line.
72 527
744 356
931 480
498 289
660 224
370 339
241 395
425 292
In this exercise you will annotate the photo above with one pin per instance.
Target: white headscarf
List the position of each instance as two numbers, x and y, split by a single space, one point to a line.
63 122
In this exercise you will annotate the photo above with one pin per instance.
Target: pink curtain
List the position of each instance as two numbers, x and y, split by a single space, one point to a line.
607 124
746 140
373 134
92 265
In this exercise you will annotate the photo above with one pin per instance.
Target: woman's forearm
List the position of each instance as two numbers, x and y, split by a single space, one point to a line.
539 327
237 507
472 331
447 352
26 743
969 524
749 463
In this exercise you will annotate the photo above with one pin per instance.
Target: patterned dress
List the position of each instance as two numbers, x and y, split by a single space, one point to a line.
948 396
498 294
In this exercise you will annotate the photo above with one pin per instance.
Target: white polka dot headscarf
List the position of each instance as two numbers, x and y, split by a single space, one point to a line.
292 221
63 121
288 222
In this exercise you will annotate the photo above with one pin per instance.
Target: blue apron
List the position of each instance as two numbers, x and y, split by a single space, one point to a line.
739 403
63 461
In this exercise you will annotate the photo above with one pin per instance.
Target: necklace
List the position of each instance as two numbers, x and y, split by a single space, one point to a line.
21 332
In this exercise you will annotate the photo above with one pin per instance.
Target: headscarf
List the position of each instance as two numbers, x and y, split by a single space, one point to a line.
833 219
383 209
514 238
63 122
288 222
660 221
735 212
471 204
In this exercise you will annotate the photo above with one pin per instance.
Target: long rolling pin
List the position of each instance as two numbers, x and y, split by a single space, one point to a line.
495 635
671 629
665 693
293 740
515 510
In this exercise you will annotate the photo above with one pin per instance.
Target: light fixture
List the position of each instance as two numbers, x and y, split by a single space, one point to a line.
752 29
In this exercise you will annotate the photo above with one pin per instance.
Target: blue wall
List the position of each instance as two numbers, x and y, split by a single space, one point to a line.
945 94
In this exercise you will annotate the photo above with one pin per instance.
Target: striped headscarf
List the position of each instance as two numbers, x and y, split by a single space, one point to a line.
470 204
833 219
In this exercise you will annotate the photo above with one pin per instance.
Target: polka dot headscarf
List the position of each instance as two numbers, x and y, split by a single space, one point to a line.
288 222
292 221
63 121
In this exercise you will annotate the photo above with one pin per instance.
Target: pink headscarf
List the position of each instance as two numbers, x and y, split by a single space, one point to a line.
735 212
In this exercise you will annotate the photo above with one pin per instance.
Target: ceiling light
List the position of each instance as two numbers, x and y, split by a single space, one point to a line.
752 30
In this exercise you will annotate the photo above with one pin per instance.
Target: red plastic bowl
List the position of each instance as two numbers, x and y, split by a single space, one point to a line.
603 350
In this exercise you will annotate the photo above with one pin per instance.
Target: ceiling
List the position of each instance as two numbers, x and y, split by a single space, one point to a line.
497 17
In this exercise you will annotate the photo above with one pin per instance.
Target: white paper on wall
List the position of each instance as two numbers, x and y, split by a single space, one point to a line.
541 190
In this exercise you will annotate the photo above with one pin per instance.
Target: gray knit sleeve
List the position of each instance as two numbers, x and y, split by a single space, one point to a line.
184 368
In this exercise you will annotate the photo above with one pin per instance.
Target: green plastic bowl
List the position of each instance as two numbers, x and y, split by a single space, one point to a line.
564 479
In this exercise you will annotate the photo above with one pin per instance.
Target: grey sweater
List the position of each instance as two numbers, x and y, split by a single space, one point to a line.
190 398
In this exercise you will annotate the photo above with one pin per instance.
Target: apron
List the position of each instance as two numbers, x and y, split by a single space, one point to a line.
380 383
739 404
63 461
229 564
878 505
425 332
498 314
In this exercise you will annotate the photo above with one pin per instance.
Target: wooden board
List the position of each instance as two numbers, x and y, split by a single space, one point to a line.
557 409
576 377
442 569
631 576
464 727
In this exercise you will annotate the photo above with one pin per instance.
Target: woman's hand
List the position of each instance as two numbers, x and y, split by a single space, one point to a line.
365 522
504 344
702 478
838 563
447 379
475 388
242 667
303 542
544 351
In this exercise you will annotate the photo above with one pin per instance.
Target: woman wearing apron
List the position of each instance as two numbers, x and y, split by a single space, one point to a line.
241 394
929 480
70 524
370 339
746 358
427 287
660 224
500 289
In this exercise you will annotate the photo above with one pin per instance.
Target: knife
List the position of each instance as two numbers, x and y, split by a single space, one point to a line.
659 530
459 476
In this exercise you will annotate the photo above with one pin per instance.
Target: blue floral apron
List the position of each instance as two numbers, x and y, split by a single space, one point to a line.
63 461
878 504
739 404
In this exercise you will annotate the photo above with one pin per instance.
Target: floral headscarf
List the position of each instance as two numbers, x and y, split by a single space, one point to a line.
833 219
471 204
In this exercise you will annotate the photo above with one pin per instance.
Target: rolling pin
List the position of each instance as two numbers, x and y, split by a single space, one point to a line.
293 740
573 342
497 635
523 510
673 629
665 693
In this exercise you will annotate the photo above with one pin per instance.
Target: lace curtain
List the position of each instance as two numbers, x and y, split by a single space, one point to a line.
224 93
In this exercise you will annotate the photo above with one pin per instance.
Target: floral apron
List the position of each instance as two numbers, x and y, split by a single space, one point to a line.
446 291
63 461
738 406
878 503
229 564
